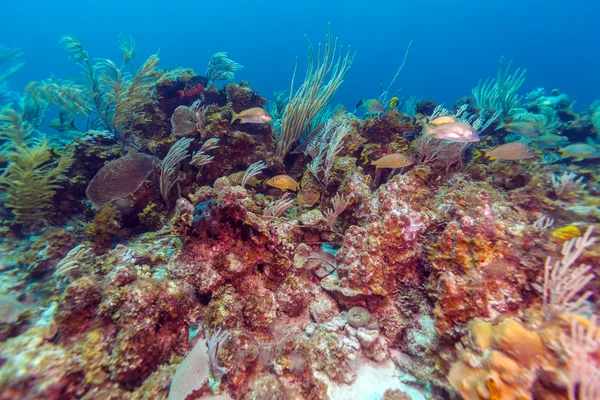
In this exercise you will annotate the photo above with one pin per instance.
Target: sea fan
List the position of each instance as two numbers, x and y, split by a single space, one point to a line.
120 178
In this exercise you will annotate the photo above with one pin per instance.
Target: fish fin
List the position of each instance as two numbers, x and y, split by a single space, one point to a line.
492 158
181 93
73 125
478 154
243 121
578 159
234 117
500 126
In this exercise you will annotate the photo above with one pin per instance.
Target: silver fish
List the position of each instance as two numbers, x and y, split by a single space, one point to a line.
452 132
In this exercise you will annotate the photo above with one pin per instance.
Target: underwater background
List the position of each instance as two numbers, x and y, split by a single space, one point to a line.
456 43
223 200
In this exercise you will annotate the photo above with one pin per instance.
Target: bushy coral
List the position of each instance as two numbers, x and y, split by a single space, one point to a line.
31 179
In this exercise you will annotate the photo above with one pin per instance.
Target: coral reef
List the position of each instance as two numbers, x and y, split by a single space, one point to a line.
157 255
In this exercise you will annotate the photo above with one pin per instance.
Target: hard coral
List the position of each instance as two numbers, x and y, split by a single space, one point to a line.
78 308
105 226
508 361
151 327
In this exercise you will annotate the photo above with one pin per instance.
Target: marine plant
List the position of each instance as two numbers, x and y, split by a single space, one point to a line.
14 130
9 56
500 93
200 157
31 179
253 170
170 166
563 284
566 184
386 96
595 109
325 148
105 225
313 94
115 99
584 371
411 105
279 207
339 203
545 120
439 153
221 68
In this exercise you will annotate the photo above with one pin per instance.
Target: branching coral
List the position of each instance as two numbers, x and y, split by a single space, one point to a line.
386 96
595 109
221 68
500 94
8 55
584 371
325 148
117 99
31 179
314 93
339 203
566 184
14 131
439 153
562 283
169 168
200 157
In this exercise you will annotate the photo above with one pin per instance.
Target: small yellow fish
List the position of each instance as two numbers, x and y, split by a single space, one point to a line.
254 115
525 128
580 151
396 160
283 182
508 151
237 177
393 103
566 233
339 109
447 119
372 106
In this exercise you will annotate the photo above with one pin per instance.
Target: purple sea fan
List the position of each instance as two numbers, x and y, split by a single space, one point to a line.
566 184
120 178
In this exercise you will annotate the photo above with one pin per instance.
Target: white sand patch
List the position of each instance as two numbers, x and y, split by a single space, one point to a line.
372 381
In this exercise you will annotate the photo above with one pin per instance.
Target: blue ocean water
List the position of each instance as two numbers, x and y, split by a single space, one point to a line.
455 42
